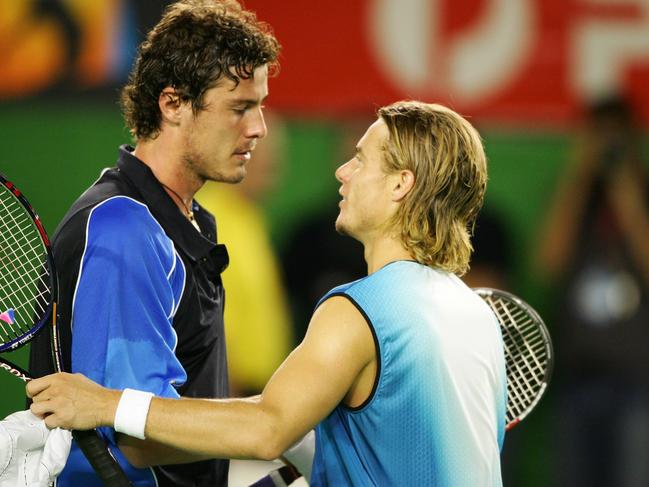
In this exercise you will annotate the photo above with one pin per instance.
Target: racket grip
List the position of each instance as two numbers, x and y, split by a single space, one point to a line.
100 458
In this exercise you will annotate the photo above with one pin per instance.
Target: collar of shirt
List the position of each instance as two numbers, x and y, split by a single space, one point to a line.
196 245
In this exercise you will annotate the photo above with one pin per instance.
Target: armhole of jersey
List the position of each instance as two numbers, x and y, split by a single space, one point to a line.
377 347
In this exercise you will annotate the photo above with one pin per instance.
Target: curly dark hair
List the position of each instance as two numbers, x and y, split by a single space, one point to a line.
196 43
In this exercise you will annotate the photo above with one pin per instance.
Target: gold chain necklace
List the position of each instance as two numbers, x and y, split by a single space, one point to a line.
190 213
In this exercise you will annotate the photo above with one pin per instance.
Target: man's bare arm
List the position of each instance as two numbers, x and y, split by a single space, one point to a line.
628 197
558 239
310 383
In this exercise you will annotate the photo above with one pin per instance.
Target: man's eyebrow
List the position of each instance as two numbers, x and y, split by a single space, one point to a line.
248 101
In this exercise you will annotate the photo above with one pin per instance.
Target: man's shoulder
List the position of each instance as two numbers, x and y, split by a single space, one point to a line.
341 290
109 207
387 276
121 217
110 183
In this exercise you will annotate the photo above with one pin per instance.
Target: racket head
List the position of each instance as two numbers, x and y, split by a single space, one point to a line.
529 355
28 293
27 277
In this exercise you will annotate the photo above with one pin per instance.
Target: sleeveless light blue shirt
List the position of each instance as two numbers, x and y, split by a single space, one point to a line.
436 415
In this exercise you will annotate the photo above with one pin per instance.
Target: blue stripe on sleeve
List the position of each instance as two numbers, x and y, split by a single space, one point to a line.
130 283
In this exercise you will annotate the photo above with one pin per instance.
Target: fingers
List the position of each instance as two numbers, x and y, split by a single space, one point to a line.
56 412
37 386
53 421
72 401
42 407
51 399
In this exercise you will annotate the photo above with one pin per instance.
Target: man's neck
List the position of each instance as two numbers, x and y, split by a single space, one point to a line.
382 250
165 162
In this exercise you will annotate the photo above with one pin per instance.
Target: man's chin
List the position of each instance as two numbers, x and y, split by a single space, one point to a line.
341 229
234 178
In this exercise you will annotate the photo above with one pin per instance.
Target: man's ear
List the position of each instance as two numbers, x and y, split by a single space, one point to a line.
403 182
170 105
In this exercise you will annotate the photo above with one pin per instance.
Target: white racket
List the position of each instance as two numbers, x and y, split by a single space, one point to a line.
528 352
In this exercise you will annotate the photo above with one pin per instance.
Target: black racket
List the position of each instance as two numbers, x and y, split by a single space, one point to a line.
528 352
28 291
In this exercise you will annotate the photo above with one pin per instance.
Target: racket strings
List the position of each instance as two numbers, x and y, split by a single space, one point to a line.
21 244
19 264
25 285
526 356
27 309
24 271
26 266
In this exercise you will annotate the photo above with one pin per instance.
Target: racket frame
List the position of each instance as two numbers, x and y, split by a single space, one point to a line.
485 293
91 444
21 339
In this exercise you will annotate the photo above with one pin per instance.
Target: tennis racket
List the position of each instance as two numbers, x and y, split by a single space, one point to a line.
528 352
28 291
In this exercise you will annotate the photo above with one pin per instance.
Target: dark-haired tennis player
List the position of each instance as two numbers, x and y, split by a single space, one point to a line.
402 372
141 292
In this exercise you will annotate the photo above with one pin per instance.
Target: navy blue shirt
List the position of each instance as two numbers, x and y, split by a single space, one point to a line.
141 306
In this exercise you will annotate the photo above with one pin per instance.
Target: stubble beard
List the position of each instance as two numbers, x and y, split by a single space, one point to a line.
229 179
197 165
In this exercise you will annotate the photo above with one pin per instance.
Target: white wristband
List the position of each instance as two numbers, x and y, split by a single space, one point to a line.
132 410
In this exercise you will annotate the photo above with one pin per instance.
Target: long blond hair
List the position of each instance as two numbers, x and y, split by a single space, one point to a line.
445 153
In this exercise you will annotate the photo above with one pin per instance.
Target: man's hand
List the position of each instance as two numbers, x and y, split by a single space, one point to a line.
72 401
30 454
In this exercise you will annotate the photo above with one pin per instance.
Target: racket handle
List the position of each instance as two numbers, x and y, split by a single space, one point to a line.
100 458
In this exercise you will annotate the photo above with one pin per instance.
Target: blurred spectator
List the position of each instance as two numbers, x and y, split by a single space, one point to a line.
257 319
595 247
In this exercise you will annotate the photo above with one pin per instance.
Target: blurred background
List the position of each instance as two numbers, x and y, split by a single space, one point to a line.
559 90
